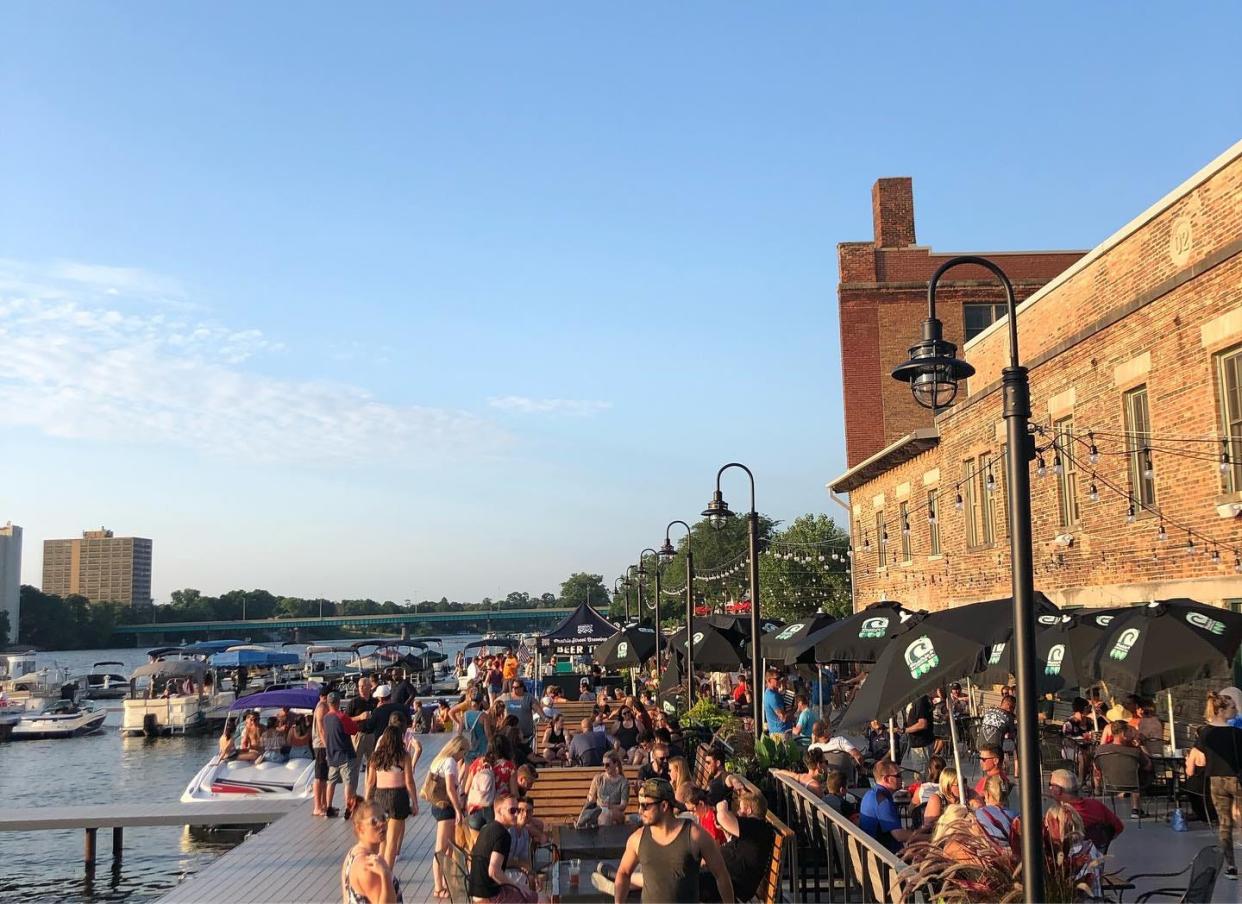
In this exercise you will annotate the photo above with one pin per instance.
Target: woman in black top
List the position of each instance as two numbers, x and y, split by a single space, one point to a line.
626 732
1218 753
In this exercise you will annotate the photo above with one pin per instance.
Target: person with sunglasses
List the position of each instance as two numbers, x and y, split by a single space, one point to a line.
992 762
489 857
877 814
669 852
366 877
518 702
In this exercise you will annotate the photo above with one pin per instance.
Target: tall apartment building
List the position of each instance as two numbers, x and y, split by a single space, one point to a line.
100 567
883 299
11 576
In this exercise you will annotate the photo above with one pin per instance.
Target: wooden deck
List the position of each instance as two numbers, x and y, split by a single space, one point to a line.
102 816
299 857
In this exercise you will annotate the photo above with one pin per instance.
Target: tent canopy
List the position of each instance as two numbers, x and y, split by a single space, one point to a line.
581 632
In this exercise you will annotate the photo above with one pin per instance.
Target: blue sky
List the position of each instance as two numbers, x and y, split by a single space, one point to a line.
455 299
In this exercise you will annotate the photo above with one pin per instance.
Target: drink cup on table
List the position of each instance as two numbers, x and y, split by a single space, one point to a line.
575 871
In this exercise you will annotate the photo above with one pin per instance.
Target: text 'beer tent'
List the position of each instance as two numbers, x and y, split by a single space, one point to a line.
580 633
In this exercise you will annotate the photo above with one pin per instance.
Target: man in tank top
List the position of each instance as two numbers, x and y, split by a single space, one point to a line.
669 850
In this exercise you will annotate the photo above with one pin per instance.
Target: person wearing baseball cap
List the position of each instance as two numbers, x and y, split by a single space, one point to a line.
669 851
377 721
1100 824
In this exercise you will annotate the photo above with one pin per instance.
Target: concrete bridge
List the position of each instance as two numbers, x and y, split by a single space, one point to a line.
502 619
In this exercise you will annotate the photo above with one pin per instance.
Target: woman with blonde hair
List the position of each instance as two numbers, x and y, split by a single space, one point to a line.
441 789
948 792
678 771
1218 754
956 820
1065 834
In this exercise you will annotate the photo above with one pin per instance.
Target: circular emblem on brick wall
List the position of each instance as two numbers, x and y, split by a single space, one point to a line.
1181 240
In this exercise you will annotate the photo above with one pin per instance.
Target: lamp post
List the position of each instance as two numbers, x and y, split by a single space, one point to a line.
666 555
718 513
616 585
933 372
642 573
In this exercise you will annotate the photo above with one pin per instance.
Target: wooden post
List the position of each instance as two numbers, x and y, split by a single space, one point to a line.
89 853
118 833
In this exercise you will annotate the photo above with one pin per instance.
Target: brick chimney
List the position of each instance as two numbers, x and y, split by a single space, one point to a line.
892 211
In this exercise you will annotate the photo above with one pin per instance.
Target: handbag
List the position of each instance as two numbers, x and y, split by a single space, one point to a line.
435 790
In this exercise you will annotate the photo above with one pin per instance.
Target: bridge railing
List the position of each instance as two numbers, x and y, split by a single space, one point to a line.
837 861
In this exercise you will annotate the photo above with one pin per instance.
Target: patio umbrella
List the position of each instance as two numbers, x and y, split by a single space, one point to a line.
715 649
862 636
922 656
671 692
1149 648
1064 651
796 641
741 623
628 648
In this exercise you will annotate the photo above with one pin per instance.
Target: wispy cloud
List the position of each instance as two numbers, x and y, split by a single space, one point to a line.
75 366
571 407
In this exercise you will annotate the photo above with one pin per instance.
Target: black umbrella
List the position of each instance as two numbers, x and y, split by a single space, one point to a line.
921 657
1146 649
862 636
671 692
715 649
741 623
628 648
796 641
1064 651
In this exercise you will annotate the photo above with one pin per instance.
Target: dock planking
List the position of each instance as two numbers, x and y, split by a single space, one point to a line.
102 816
298 858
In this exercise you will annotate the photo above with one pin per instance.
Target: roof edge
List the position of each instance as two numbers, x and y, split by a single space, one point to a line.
889 457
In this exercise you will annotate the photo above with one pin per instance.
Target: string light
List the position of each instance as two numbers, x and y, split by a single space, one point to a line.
1224 457
1093 494
1130 513
1094 455
990 483
1042 469
1057 469
1162 534
957 502
1147 469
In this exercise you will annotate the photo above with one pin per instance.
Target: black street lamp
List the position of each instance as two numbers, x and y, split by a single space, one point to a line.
717 512
666 554
933 372
642 572
616 585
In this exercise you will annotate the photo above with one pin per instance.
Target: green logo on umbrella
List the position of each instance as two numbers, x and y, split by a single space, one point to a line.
622 649
1199 620
874 627
921 657
1056 653
1125 641
997 650
789 632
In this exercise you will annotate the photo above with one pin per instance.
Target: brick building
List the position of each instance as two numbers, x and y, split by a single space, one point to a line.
1135 354
883 298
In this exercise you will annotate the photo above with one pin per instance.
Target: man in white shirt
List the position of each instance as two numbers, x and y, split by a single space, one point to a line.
822 739
472 670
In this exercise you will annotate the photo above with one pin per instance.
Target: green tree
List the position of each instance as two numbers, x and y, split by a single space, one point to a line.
805 568
582 587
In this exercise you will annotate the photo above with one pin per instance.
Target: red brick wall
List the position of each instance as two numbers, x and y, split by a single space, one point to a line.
1168 288
883 300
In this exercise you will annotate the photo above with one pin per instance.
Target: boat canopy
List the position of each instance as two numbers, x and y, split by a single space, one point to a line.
162 651
207 647
498 642
292 697
253 656
107 662
171 668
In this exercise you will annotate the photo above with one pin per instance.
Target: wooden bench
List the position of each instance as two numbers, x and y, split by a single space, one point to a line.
561 791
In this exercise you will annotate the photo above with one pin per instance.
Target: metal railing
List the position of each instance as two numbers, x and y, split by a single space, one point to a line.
836 861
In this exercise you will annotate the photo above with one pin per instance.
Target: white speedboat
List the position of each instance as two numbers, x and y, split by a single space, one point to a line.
59 719
238 779
8 721
104 685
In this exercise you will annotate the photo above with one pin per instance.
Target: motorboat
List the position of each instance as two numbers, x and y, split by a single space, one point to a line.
239 779
173 696
32 687
325 663
9 717
105 685
59 719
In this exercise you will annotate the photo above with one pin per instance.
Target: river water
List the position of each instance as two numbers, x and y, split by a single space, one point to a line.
99 769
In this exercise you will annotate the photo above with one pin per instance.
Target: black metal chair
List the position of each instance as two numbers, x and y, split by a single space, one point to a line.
1201 875
1119 774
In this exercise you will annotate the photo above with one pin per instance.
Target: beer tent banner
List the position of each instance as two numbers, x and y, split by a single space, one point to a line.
579 634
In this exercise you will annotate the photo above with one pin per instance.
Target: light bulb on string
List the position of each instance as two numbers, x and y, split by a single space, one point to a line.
1147 469
1224 457
1190 543
1162 534
1041 469
1130 513
957 502
1057 469
990 483
1215 556
1093 493
1094 455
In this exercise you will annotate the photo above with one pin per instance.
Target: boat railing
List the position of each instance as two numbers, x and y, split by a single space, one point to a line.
837 861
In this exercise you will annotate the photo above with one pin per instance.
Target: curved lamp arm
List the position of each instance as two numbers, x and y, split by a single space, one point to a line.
1010 302
738 464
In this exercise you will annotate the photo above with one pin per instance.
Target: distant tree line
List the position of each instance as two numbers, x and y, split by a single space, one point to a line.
49 621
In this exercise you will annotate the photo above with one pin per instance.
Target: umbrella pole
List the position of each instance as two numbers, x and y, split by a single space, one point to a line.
820 669
957 758
970 697
1172 722
892 740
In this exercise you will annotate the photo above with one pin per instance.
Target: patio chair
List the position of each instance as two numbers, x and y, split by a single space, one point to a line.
455 865
1119 773
1203 872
